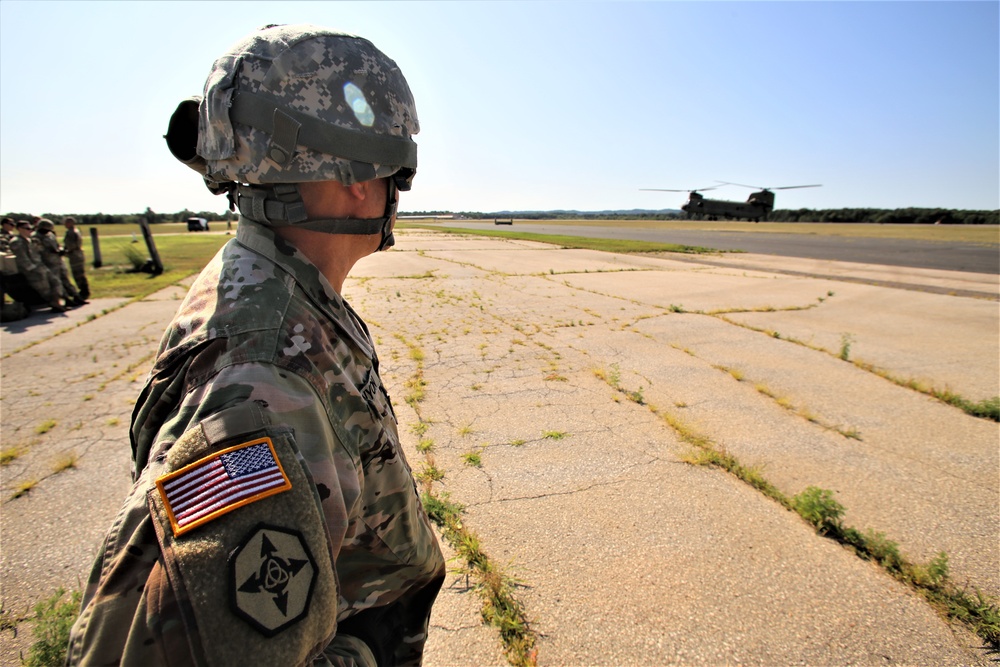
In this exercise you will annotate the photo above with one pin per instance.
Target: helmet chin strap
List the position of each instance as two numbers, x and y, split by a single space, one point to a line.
392 200
281 205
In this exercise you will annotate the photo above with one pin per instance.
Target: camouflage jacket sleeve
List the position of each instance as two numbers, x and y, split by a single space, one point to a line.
375 567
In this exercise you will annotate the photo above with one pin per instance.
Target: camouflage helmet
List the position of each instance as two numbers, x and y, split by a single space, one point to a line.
46 225
298 103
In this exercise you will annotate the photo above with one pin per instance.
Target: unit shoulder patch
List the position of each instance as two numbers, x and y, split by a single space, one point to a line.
272 575
220 483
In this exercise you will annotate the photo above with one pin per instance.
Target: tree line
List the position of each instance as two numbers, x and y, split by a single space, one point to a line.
83 219
898 216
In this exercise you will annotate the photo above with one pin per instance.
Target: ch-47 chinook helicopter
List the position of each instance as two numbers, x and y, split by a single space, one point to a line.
755 208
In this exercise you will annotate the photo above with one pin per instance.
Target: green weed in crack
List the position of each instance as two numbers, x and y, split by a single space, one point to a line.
985 409
45 426
818 507
53 619
846 340
500 606
11 454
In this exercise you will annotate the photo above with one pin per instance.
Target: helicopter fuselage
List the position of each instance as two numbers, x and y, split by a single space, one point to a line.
756 207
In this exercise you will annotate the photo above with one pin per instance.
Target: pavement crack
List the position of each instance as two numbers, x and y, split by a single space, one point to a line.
553 494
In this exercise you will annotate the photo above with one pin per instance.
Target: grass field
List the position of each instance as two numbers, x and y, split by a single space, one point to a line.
181 254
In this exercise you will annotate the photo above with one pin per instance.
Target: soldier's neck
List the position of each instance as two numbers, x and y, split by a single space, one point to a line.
333 254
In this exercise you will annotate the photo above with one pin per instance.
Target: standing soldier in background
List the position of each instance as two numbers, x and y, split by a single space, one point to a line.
52 254
7 235
274 519
73 248
28 255
8 272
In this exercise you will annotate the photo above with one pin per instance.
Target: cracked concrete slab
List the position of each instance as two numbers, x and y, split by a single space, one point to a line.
898 334
624 554
902 463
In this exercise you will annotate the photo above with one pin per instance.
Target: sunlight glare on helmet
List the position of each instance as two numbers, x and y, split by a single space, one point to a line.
359 105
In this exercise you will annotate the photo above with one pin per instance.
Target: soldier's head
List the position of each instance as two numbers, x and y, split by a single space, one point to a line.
45 226
299 104
8 225
69 222
24 228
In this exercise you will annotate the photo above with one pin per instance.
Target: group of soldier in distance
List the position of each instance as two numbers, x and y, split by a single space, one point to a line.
34 273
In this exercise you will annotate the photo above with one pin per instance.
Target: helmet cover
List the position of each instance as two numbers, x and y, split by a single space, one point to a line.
326 106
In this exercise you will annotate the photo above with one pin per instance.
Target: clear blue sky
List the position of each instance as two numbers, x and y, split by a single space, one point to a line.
540 105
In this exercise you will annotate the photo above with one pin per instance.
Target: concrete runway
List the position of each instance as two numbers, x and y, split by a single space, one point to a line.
558 368
890 252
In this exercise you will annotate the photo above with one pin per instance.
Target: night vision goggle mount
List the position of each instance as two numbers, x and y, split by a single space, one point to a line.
280 204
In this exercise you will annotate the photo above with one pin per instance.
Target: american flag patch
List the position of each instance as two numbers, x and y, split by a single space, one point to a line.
220 483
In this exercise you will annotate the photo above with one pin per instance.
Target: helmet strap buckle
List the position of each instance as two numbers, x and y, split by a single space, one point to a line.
284 138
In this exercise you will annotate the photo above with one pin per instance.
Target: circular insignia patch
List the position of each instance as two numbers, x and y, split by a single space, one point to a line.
271 578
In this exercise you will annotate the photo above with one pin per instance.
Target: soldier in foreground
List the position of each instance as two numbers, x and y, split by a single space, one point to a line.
73 249
274 519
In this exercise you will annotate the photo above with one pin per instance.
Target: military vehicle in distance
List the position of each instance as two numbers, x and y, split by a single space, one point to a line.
756 208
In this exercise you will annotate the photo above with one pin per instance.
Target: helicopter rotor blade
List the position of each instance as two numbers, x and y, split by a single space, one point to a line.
753 187
666 190
761 187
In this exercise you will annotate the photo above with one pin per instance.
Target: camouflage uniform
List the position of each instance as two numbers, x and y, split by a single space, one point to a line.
342 567
274 519
52 258
73 247
28 255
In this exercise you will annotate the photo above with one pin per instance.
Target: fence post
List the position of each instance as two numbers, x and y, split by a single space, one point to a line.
96 243
151 246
